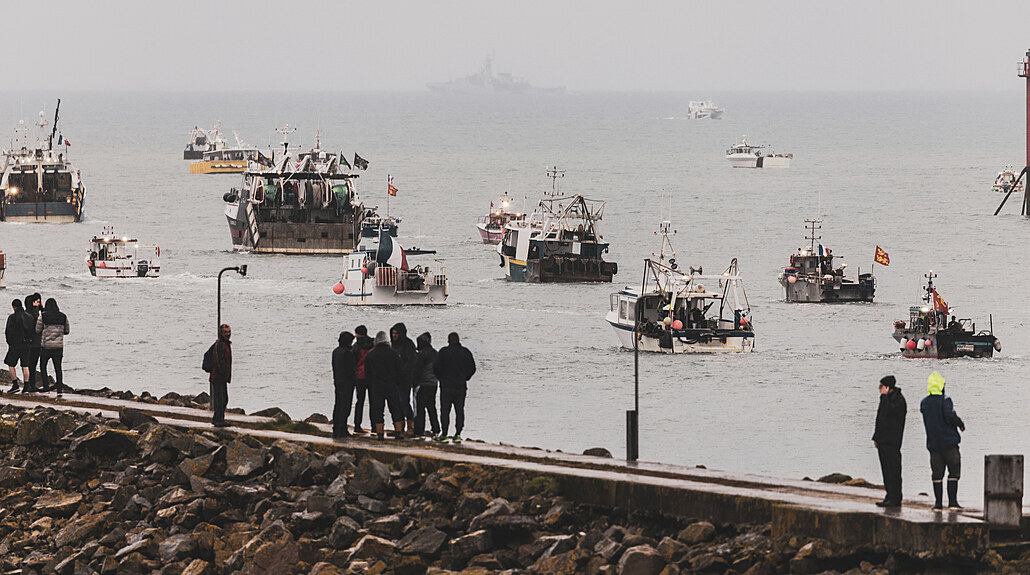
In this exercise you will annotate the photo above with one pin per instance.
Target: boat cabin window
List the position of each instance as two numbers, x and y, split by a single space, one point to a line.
614 301
623 309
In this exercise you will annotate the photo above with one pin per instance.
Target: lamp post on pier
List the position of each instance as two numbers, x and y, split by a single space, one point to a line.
242 270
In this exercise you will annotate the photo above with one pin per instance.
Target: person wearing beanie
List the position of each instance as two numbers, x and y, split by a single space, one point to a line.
362 345
942 438
405 348
382 371
890 428
17 344
344 372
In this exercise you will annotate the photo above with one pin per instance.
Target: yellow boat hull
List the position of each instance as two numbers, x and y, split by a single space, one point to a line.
219 167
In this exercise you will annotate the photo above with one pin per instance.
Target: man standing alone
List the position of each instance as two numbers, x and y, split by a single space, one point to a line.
942 439
890 427
221 374
454 366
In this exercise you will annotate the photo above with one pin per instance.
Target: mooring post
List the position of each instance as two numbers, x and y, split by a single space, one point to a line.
1003 491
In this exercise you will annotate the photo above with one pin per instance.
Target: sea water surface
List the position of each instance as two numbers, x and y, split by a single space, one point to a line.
909 172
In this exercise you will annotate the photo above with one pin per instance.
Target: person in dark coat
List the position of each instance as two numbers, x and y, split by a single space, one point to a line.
425 386
221 375
344 380
52 325
33 304
942 438
405 348
17 344
890 428
382 370
362 345
453 367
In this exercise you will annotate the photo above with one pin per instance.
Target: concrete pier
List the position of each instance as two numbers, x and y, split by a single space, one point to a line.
842 514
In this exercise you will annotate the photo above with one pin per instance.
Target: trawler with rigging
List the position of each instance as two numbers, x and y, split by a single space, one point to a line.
299 205
683 311
39 183
560 242
929 334
811 276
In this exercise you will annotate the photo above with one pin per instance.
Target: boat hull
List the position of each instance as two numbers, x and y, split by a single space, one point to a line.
815 290
559 270
192 154
44 212
318 238
752 161
390 287
219 167
944 345
105 271
490 235
686 341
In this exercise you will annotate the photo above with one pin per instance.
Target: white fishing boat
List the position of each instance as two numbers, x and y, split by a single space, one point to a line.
202 141
491 226
703 109
378 274
683 311
747 155
1007 179
111 256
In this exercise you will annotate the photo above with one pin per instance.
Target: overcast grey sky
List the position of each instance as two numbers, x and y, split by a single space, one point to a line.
741 45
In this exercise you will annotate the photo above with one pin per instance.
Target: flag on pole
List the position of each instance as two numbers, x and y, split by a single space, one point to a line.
359 162
389 186
938 303
881 257
343 160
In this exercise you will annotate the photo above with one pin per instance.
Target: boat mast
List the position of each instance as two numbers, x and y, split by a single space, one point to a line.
53 131
929 286
554 173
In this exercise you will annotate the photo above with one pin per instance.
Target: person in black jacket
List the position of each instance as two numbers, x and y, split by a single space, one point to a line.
17 344
405 348
344 379
890 428
382 370
425 386
453 367
33 307
362 345
221 375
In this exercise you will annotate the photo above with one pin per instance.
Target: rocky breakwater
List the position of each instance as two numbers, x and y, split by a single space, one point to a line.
80 494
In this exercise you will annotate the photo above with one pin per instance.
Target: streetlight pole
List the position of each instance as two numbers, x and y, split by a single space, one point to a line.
242 270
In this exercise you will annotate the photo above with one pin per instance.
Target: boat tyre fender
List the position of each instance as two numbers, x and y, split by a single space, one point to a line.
997 345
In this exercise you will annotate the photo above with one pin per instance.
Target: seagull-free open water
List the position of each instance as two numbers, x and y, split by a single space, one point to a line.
909 172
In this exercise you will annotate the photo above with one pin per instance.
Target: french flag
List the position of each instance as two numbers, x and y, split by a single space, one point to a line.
390 252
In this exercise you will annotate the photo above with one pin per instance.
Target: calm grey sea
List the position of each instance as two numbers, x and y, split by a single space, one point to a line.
910 172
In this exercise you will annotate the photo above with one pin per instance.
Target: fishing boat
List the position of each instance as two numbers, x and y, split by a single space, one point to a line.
3 269
39 183
202 141
302 205
229 159
929 334
812 277
378 274
1006 180
683 311
747 155
559 242
111 256
491 226
703 109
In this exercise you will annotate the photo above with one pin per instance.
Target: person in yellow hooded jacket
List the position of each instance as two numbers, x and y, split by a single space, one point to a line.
942 438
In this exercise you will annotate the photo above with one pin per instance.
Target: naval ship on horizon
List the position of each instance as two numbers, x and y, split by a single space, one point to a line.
485 82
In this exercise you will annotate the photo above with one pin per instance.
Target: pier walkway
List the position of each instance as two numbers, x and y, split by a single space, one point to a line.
838 513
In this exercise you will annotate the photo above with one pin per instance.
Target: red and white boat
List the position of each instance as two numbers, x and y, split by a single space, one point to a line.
111 256
491 226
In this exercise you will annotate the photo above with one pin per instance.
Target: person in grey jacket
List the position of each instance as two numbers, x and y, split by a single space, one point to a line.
52 324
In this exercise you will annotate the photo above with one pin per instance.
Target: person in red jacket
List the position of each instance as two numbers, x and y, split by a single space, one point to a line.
221 375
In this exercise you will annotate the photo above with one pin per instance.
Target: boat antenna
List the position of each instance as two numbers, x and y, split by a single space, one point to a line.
554 173
812 226
929 286
664 228
53 131
286 130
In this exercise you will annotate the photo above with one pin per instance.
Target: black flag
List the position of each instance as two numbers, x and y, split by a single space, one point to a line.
343 160
359 162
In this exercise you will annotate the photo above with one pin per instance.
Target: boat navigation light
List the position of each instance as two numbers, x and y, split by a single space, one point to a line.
924 309
13 191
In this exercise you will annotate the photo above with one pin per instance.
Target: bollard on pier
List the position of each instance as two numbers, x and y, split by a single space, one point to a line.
1003 491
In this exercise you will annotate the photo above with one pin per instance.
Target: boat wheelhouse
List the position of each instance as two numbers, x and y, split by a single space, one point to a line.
378 274
747 155
929 334
812 277
491 226
306 205
111 256
683 311
202 141
39 183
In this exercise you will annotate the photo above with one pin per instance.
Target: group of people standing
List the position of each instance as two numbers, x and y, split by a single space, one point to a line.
35 337
942 439
401 376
